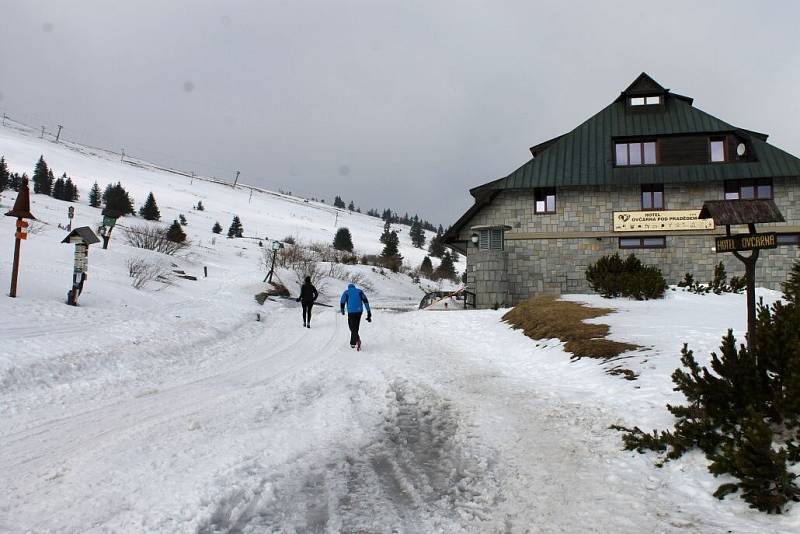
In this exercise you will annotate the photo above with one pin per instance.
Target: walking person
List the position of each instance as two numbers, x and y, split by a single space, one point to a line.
355 300
308 295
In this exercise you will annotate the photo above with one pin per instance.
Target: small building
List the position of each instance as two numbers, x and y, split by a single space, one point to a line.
632 178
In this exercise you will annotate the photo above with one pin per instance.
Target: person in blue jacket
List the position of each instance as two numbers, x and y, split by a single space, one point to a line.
355 300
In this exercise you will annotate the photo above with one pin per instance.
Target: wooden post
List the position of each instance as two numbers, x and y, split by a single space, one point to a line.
750 276
15 268
205 271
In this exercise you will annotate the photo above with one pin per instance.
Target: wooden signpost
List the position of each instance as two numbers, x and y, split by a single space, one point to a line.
22 211
744 212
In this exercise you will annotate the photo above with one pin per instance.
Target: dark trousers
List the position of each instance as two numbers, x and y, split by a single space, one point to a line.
307 311
354 321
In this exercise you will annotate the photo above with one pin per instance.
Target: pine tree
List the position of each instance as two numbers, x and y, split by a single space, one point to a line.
436 247
390 248
387 228
48 186
236 229
117 201
200 206
417 233
40 177
338 202
71 193
58 189
94 196
791 287
149 210
15 180
351 206
446 269
217 228
4 176
182 219
426 269
343 240
175 233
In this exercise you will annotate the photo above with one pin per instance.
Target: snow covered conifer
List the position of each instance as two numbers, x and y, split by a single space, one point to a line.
236 229
149 210
343 240
40 177
182 219
58 189
200 206
417 233
217 228
176 233
70 189
426 269
4 176
446 269
351 206
118 202
338 202
94 196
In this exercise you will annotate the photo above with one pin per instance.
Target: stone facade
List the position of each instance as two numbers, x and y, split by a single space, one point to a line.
543 254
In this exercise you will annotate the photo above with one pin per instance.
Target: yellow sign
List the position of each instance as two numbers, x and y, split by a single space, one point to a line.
747 242
660 221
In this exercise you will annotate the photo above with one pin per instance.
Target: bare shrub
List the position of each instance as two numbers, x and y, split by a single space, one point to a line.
289 256
339 272
152 238
324 252
312 269
142 272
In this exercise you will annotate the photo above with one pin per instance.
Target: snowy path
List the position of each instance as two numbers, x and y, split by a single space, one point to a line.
274 428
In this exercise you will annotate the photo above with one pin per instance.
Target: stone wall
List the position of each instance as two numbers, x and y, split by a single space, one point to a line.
557 265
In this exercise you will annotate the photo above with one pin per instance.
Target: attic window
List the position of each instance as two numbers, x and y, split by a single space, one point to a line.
645 100
717 150
635 153
544 200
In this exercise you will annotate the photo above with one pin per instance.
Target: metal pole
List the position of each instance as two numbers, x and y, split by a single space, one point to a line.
251 195
192 180
236 179
42 136
59 132
4 119
272 269
15 268
122 158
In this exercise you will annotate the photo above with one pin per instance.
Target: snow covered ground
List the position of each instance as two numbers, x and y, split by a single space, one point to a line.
172 409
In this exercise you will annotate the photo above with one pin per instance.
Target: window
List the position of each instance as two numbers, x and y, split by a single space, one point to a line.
748 189
645 100
491 239
545 200
788 239
643 242
635 153
717 150
653 197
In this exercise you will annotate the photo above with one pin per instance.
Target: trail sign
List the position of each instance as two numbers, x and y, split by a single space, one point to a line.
109 221
747 242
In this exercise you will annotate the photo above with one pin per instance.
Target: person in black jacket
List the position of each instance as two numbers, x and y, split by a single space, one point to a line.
308 294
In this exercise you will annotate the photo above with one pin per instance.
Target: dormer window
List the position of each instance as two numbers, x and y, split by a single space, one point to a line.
645 100
717 150
635 153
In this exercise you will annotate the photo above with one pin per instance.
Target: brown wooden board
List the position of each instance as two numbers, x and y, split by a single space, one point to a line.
747 242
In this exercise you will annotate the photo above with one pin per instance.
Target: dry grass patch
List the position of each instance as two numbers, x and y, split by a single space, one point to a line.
545 317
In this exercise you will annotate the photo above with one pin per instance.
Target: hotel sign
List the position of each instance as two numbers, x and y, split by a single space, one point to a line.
660 221
747 242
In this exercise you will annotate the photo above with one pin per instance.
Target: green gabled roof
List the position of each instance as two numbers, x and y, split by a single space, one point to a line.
584 156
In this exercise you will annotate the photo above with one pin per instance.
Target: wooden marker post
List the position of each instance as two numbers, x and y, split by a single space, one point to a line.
22 211
744 212
81 238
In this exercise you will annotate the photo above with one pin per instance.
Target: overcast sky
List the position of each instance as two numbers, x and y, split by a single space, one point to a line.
402 104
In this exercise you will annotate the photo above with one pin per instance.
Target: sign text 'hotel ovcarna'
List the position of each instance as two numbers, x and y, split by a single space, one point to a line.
746 242
663 221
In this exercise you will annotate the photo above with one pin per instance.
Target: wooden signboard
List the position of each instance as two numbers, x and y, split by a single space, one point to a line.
746 242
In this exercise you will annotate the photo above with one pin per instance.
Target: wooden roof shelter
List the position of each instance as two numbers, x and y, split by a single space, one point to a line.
730 212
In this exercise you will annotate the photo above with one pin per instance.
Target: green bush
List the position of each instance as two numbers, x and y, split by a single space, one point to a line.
743 412
610 276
